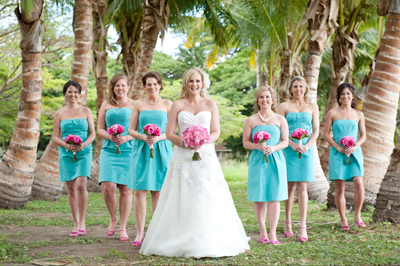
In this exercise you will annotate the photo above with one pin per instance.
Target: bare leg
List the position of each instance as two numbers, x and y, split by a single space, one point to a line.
358 198
154 199
288 209
110 198
82 200
273 218
302 196
125 206
139 206
73 203
341 201
260 208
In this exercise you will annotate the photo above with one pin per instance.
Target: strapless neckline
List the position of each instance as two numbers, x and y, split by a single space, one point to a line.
187 119
195 114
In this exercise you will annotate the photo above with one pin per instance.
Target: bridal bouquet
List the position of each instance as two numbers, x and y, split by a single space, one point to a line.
348 142
115 130
152 130
195 136
261 137
299 134
73 140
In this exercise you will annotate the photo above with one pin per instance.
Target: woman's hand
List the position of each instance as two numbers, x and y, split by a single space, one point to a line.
350 150
261 146
295 147
269 150
341 149
118 139
151 140
303 148
72 147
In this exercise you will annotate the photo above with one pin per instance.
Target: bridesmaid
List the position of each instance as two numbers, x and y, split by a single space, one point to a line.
148 173
346 120
114 168
74 119
267 183
299 113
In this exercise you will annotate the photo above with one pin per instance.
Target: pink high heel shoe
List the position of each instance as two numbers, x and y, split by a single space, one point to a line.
137 243
111 232
123 238
288 234
303 239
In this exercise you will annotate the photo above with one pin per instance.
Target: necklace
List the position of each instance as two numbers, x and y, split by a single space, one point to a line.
265 120
159 98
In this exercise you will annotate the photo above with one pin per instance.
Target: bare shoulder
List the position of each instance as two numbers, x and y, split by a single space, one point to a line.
131 103
250 119
105 105
359 114
167 103
178 103
86 110
210 103
59 112
314 107
280 118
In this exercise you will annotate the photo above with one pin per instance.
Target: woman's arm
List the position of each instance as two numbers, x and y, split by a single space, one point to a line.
171 125
315 128
247 143
92 132
57 131
327 129
215 129
284 137
282 110
363 134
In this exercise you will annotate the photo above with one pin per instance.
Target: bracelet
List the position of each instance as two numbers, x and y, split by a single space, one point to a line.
182 143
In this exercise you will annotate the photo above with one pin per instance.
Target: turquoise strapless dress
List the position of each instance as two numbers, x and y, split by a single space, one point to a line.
149 173
338 169
267 181
299 170
115 167
69 170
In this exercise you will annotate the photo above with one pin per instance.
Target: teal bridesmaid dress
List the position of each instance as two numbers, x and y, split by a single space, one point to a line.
149 173
299 170
69 170
115 167
267 181
338 169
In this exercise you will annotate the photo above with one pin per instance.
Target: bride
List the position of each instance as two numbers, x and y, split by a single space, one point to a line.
195 215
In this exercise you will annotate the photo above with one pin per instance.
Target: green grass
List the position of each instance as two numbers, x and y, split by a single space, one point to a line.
379 244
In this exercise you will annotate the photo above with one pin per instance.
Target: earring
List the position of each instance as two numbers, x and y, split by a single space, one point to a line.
339 101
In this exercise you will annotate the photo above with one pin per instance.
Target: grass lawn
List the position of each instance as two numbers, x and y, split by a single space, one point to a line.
38 233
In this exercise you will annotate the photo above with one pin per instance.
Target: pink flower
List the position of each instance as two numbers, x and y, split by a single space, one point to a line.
77 140
299 133
152 129
115 130
348 141
195 136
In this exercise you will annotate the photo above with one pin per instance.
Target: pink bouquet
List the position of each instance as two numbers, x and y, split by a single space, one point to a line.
299 134
152 130
348 142
116 130
261 137
73 140
195 136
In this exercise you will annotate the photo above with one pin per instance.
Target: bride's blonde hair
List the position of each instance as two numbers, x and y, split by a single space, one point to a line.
185 79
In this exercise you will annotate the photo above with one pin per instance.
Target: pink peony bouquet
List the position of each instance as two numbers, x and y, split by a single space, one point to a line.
195 136
261 137
348 142
116 130
152 130
299 134
73 140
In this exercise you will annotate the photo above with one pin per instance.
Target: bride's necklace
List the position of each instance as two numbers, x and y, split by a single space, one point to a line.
159 98
265 120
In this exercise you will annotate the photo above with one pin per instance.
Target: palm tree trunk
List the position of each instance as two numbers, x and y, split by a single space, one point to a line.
46 177
155 20
388 198
17 165
285 76
380 107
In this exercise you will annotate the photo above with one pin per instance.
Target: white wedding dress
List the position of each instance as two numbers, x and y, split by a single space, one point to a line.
195 215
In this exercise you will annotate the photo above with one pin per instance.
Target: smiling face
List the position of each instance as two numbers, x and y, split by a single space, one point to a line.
195 84
152 87
346 97
298 89
121 88
72 94
265 100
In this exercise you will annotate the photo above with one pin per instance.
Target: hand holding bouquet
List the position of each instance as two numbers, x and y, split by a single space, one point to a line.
152 130
195 136
348 142
73 140
299 134
115 130
261 137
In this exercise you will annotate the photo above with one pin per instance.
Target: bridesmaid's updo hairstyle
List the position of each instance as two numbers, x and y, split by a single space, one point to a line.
153 74
185 80
72 83
112 98
340 89
257 95
303 81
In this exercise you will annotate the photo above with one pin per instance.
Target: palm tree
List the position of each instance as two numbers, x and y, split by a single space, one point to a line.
46 177
380 110
321 16
17 165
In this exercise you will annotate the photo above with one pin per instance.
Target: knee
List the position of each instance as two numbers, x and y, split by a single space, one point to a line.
291 188
155 194
302 188
339 191
81 187
140 194
358 184
108 190
125 192
72 190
